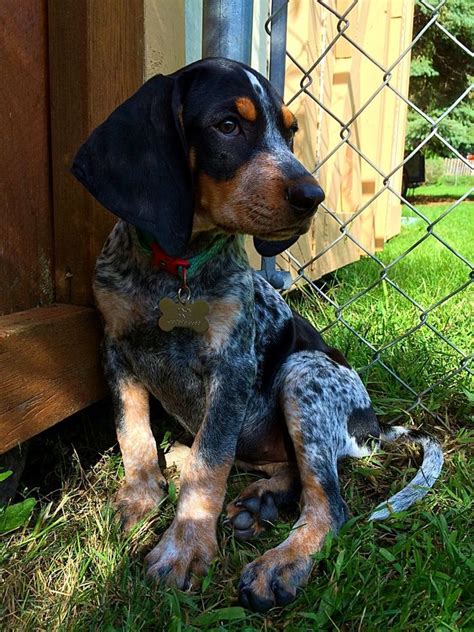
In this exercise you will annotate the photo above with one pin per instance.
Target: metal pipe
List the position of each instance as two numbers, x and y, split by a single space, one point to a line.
227 29
280 279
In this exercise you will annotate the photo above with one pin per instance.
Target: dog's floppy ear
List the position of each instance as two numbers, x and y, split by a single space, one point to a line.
273 248
136 164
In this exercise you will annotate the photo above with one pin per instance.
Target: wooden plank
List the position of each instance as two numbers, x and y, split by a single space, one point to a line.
49 369
373 29
401 31
309 31
344 81
26 276
96 61
343 49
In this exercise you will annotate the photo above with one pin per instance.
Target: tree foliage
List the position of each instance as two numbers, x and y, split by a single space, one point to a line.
440 72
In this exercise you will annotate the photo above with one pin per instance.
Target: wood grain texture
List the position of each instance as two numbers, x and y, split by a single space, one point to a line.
96 62
49 369
26 251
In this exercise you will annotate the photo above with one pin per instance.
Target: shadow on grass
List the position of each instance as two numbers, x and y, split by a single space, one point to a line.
52 455
436 199
84 437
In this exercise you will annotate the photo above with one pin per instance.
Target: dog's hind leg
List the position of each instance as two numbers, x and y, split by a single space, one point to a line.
317 396
257 505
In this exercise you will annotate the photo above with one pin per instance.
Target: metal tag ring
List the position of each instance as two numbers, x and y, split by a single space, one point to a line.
184 294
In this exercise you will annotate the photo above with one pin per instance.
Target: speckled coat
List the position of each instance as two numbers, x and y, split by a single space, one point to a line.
193 157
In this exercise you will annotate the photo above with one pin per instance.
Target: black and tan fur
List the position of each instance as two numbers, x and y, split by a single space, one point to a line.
191 157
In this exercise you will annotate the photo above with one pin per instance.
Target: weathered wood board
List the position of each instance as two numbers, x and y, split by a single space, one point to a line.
49 368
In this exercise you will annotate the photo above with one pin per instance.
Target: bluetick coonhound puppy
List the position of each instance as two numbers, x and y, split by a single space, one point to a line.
189 163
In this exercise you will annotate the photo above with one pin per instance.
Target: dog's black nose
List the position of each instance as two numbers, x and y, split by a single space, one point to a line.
304 196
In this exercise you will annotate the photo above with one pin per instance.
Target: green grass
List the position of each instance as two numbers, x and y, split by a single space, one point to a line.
446 187
70 568
427 274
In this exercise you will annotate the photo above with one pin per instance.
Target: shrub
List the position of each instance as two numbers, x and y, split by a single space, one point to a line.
434 169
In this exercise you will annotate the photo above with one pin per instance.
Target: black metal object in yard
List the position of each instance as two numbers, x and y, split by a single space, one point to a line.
413 173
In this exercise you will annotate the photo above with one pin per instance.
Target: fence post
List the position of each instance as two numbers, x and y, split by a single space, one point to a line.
280 279
227 29
278 45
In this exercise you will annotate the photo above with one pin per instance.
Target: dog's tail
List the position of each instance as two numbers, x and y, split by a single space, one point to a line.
423 479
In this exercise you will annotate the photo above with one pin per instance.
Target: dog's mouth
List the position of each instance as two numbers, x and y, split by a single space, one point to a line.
286 232
279 235
274 234
266 223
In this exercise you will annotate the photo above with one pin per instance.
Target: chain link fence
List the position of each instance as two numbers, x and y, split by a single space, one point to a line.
419 363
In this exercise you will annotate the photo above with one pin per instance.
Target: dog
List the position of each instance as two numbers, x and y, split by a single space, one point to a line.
191 163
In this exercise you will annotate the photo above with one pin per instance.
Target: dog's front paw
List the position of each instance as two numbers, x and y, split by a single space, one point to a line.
184 552
135 500
273 580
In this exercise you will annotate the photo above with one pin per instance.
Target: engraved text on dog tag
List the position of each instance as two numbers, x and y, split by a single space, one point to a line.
184 313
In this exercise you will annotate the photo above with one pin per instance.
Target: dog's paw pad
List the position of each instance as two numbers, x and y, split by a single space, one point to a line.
250 516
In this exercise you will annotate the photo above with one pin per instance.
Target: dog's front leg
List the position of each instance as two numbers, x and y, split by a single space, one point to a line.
189 545
144 486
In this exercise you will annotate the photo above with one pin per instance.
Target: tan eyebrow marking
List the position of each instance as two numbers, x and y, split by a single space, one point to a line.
289 118
246 109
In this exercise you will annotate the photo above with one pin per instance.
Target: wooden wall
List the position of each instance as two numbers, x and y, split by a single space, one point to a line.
101 51
96 61
65 64
26 244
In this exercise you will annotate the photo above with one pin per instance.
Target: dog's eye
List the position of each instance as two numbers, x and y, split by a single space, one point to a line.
293 129
229 127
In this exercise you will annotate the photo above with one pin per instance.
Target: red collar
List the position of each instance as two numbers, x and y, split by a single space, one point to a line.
173 265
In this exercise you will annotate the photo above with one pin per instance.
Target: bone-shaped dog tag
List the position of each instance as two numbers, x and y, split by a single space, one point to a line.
187 314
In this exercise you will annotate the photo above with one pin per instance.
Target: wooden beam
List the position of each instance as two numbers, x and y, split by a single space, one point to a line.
49 369
96 61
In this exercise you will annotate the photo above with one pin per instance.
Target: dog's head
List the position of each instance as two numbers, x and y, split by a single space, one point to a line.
210 144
